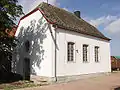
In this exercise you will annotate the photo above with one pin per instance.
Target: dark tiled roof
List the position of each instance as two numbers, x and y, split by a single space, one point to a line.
69 21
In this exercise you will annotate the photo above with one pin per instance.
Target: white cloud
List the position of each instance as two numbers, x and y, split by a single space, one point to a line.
114 27
111 24
29 5
66 9
104 20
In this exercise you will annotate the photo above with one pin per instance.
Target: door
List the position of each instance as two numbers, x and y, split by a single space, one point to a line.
26 69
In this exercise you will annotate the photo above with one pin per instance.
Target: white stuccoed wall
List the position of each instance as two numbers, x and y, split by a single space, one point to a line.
40 53
44 64
78 67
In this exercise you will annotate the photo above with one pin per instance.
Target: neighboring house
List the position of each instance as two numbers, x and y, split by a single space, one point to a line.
56 43
115 62
11 33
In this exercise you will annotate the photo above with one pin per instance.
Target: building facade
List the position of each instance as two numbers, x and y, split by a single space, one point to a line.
50 48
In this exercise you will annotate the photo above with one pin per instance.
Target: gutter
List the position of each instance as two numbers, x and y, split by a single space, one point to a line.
55 62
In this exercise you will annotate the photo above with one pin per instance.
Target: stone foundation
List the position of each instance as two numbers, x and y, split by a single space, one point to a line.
50 80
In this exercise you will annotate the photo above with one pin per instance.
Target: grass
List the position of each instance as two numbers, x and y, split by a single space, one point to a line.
18 84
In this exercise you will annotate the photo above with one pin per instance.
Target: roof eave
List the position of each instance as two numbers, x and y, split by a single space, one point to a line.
86 34
36 9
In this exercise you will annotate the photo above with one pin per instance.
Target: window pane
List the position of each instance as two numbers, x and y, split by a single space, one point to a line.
96 54
85 53
70 51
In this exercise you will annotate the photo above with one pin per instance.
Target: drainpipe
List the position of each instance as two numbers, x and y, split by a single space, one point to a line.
55 63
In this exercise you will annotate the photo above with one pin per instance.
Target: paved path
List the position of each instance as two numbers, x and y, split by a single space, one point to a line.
95 83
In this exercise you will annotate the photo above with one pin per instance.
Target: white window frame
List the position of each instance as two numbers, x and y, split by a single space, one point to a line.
87 60
73 52
98 54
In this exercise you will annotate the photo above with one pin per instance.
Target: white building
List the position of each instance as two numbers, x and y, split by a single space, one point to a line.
56 43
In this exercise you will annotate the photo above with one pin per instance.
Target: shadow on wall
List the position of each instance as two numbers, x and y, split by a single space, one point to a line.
35 33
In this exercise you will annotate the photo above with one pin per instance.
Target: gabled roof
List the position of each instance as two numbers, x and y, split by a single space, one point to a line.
117 57
69 21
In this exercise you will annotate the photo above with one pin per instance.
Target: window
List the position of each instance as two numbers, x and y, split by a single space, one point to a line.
70 47
85 53
96 54
27 46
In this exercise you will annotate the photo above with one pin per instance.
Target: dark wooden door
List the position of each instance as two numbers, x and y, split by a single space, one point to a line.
27 69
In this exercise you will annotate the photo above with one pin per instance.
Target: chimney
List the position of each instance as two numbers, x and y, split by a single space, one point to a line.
77 13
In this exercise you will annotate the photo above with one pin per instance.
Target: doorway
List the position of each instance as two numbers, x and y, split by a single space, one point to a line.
26 69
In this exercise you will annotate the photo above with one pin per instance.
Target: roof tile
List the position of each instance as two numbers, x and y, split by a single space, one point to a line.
69 21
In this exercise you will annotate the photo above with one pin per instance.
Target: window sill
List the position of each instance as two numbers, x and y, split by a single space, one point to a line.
85 62
71 62
97 62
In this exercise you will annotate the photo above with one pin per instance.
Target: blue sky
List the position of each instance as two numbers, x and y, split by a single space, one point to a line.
103 14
